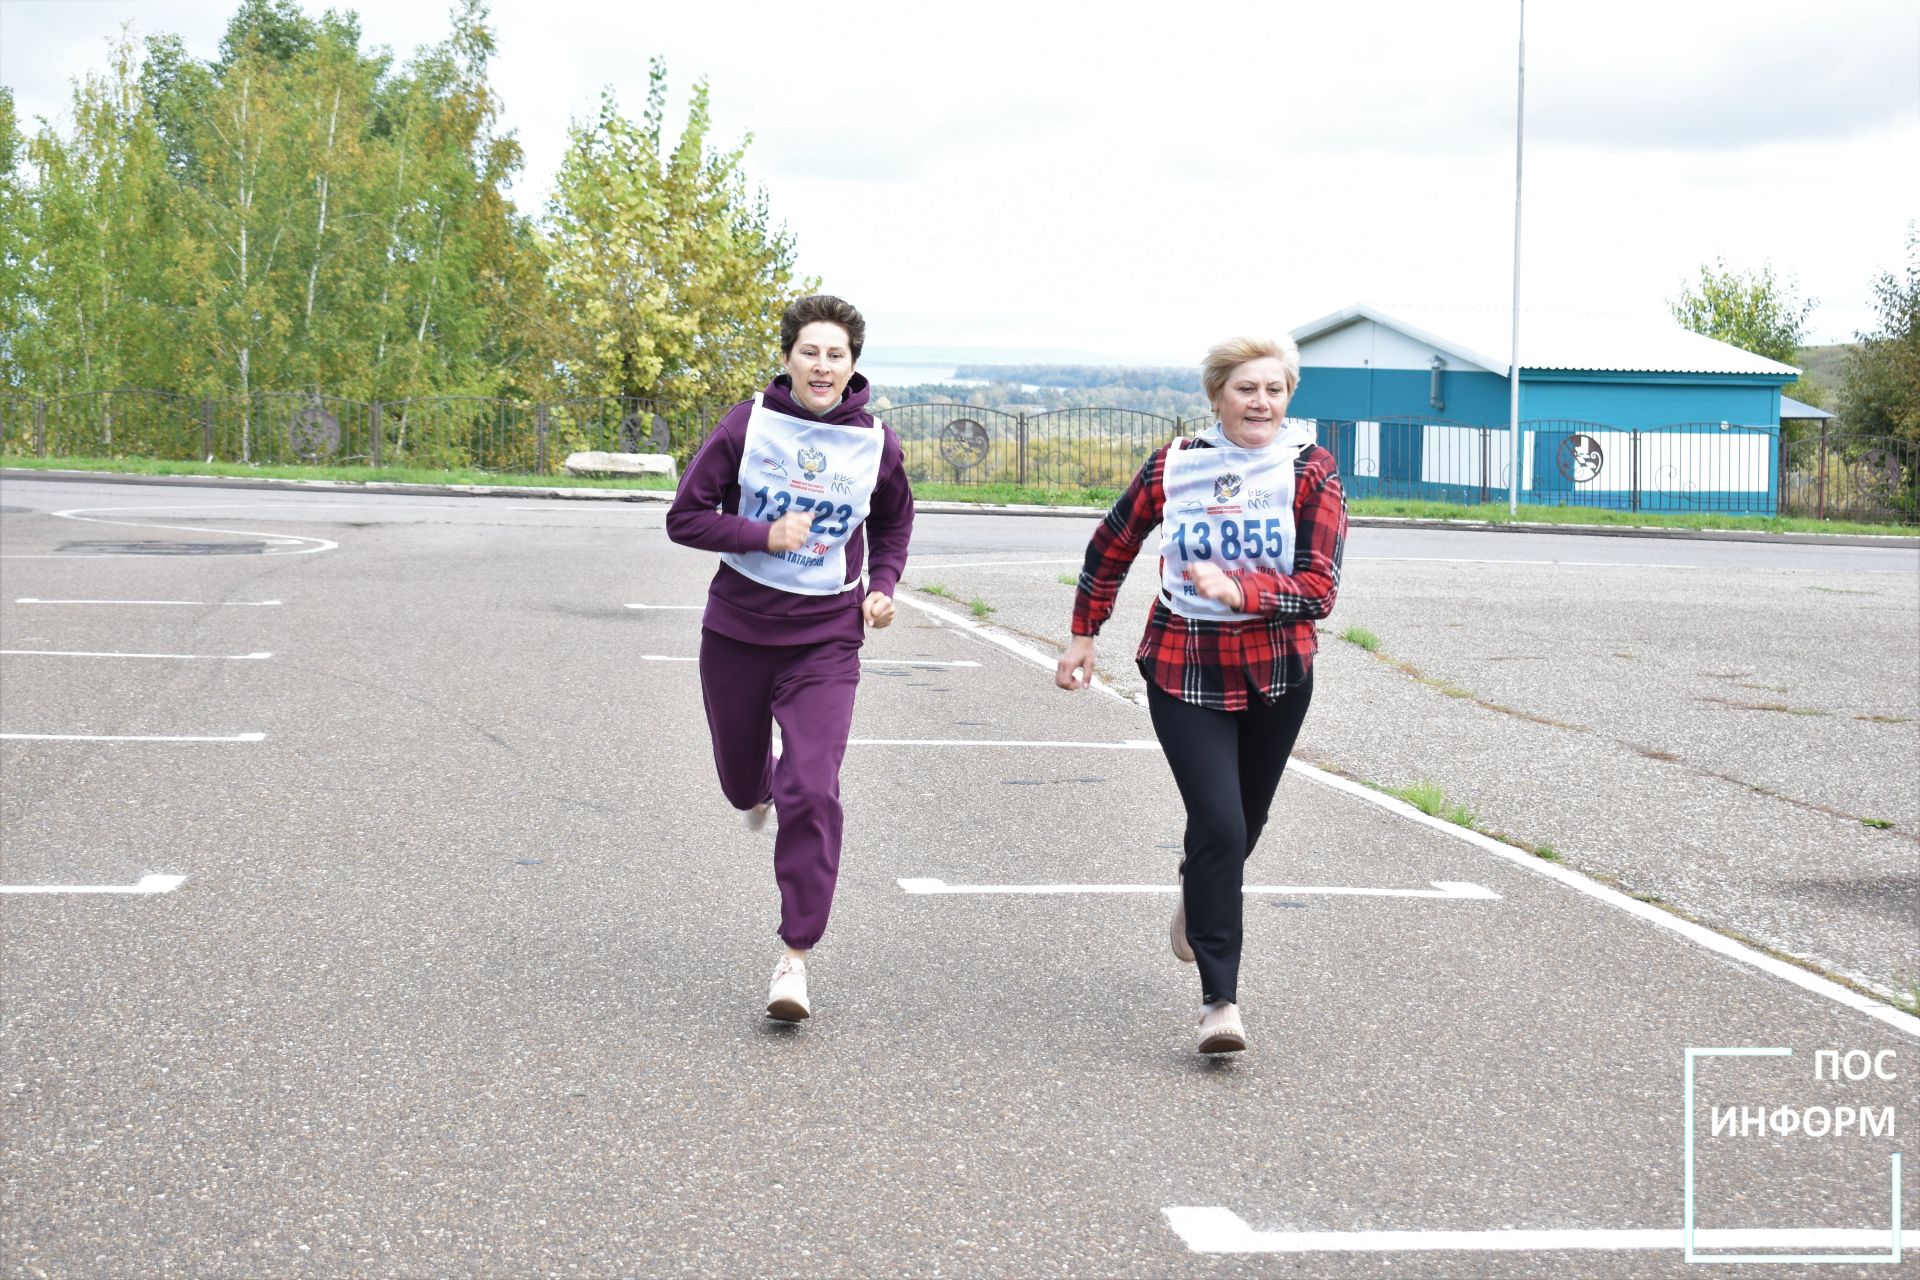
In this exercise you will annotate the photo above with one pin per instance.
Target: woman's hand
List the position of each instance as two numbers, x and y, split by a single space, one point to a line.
1213 584
877 609
1076 665
789 533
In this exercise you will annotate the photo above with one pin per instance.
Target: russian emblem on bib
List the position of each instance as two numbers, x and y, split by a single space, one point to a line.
1226 486
812 462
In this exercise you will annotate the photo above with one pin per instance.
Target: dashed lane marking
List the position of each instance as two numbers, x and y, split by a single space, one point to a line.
247 604
1451 890
182 657
865 662
146 884
1217 1230
104 737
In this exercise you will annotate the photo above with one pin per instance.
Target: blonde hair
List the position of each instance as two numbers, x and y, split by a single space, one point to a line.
1224 357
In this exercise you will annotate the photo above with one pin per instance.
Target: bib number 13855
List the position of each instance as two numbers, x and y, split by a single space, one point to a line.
772 508
1236 540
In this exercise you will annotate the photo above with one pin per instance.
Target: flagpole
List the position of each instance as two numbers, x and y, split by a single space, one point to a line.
1513 363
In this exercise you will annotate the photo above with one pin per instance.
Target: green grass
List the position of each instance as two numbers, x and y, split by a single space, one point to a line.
352 475
1362 637
936 589
1496 513
1069 580
979 607
935 491
1878 824
1014 494
1427 797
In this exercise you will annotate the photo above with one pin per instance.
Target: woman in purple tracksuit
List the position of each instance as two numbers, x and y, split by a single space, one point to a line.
788 488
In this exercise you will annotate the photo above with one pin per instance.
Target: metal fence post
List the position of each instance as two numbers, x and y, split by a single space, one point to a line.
1633 477
1822 510
206 426
540 435
373 433
1486 461
40 425
1022 430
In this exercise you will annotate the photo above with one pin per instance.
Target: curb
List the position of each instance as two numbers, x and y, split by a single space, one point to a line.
1896 542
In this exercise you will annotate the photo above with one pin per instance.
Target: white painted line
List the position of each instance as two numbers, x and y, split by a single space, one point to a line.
1452 890
691 607
146 884
96 737
1131 744
921 566
1216 1230
1696 934
865 662
184 657
915 662
1571 564
257 604
305 545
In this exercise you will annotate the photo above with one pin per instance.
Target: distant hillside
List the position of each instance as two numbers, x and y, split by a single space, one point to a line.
1826 364
1084 375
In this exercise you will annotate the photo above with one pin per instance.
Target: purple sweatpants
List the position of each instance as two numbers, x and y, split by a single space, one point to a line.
809 689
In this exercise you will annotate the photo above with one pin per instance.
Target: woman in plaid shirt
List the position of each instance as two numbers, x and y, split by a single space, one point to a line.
1252 523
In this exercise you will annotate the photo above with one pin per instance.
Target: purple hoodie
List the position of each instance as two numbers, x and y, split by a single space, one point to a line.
703 516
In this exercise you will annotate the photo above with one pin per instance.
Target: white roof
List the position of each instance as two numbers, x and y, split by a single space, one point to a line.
1615 342
1799 410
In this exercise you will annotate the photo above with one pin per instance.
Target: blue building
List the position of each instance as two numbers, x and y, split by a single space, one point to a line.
1615 411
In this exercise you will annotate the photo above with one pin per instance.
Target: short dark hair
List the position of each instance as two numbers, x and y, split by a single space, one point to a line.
823 306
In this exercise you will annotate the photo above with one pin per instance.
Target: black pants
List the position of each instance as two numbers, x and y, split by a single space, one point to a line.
1227 765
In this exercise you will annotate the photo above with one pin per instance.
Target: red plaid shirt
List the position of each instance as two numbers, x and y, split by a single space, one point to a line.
1216 663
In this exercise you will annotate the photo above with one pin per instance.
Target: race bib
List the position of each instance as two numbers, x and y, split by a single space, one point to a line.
816 468
1230 507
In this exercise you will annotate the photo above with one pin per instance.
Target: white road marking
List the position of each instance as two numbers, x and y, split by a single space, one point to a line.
184 657
1217 1230
1571 564
146 884
98 737
253 604
865 662
692 607
1131 744
921 565
1452 890
307 546
1699 935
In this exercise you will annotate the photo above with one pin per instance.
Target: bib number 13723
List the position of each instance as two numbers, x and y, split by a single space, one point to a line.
774 503
1233 540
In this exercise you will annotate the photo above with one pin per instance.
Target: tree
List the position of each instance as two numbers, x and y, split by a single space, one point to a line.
1752 310
16 238
1881 395
667 269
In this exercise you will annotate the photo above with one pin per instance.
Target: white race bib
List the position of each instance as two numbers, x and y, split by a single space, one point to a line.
1230 507
796 464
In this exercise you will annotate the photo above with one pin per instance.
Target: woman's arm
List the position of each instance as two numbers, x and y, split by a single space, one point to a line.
699 517
1115 544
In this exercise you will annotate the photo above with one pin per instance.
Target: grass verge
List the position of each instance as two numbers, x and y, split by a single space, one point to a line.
1011 494
350 475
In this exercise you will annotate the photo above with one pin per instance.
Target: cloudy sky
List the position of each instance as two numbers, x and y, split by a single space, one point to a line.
1136 180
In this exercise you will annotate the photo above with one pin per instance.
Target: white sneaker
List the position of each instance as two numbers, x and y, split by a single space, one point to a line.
787 996
1177 934
1220 1029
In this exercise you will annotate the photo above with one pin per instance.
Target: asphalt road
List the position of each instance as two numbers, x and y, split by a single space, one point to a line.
464 974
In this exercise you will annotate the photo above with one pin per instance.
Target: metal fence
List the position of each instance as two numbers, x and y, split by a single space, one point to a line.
1680 467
